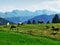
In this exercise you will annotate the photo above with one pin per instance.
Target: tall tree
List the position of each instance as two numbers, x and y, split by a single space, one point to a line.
48 22
28 22
33 22
56 19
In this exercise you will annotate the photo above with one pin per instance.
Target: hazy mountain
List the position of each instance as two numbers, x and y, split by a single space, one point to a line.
21 13
44 12
18 19
4 22
16 16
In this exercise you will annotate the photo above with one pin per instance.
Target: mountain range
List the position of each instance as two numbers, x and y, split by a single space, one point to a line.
16 16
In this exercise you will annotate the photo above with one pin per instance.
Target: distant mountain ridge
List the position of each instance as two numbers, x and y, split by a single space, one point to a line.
17 15
18 19
21 13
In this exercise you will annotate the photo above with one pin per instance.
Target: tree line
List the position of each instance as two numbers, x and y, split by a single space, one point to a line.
55 19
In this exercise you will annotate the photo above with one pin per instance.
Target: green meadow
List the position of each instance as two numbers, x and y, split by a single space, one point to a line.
29 34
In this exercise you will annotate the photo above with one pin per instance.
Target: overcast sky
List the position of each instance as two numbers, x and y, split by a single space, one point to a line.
32 5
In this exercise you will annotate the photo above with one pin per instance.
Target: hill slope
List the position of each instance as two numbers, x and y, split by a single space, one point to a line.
24 39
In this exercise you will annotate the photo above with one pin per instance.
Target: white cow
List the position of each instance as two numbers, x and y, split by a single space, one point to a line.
8 24
20 23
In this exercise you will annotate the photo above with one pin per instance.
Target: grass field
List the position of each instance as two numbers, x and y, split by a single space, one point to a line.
31 34
25 39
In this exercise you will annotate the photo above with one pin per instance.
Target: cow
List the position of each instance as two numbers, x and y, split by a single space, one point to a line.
55 29
13 27
20 23
8 24
47 27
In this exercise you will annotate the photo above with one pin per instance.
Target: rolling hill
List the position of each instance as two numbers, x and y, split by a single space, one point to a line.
39 36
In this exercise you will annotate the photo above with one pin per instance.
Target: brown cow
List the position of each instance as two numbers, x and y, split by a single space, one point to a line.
47 27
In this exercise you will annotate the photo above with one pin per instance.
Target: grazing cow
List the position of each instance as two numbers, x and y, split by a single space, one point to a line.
8 24
55 29
14 27
47 27
20 23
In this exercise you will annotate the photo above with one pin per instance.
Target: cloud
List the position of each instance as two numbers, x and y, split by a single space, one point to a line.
49 5
7 5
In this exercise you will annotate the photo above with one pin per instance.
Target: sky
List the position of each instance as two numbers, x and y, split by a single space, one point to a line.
31 5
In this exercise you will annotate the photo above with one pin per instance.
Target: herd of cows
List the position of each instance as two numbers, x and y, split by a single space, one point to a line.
55 30
14 26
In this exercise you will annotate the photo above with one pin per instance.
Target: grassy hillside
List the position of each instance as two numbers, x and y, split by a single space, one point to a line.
24 39
35 30
31 34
